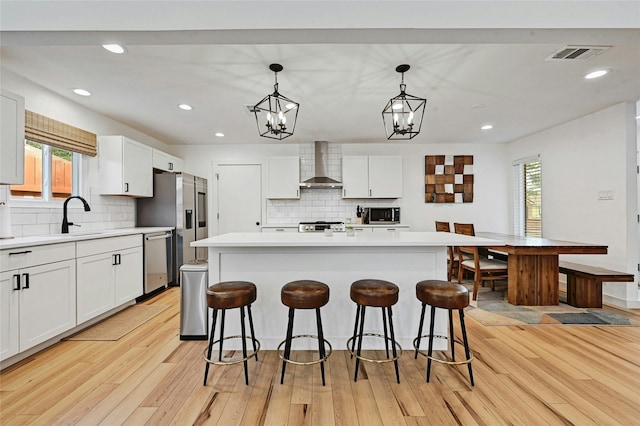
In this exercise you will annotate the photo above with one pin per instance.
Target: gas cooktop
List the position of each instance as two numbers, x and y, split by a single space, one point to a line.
320 226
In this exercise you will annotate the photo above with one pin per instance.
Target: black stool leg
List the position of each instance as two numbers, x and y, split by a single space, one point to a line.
287 344
393 344
253 333
355 331
433 320
244 345
221 334
451 336
321 352
355 377
213 329
424 305
386 336
466 343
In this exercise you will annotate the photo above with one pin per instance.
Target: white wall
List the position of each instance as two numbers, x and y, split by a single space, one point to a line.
579 159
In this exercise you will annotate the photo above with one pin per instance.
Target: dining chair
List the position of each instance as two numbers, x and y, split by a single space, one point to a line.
452 263
484 269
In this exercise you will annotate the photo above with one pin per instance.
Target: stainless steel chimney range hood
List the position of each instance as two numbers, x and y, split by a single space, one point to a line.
320 178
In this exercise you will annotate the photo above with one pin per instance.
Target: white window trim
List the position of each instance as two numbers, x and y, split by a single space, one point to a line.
518 193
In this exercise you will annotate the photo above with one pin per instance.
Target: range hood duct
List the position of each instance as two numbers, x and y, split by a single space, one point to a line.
320 179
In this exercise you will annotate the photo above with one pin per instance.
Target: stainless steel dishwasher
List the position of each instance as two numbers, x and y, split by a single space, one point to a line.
157 249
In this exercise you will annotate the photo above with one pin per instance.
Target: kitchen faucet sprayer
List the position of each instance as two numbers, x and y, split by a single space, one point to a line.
65 223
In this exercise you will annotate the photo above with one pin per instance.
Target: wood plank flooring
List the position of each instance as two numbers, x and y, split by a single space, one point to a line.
534 375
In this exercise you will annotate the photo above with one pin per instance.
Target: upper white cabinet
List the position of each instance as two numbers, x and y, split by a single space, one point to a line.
11 139
283 177
378 176
167 162
126 167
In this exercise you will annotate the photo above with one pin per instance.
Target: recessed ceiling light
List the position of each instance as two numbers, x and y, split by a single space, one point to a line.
487 127
185 107
82 92
596 74
114 48
220 134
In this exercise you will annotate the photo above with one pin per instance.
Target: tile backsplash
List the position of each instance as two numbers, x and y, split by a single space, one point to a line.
319 204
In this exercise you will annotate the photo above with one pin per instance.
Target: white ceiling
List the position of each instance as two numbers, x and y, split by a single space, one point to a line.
342 78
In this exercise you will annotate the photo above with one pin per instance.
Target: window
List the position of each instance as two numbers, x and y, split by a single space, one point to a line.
53 153
528 197
50 173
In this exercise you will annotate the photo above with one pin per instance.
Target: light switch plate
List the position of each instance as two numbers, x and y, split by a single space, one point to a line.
605 195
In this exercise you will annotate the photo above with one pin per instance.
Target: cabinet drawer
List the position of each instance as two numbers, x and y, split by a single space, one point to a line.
26 257
107 245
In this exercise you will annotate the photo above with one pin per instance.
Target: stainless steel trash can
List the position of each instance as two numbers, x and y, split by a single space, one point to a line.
194 318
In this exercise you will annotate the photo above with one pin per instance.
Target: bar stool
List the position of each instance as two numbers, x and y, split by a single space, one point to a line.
304 294
449 296
230 295
381 294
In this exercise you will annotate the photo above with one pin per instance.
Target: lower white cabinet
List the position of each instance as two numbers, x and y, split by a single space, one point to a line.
110 273
37 297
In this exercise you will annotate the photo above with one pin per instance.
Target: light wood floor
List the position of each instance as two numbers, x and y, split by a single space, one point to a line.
582 375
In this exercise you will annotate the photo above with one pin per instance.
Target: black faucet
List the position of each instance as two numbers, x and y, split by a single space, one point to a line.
65 223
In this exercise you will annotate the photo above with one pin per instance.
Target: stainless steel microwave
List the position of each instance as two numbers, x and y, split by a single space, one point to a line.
382 215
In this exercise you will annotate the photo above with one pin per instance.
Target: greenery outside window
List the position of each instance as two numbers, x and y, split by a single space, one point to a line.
528 197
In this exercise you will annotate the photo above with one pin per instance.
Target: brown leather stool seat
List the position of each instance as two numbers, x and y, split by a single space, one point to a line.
449 296
379 294
304 294
230 295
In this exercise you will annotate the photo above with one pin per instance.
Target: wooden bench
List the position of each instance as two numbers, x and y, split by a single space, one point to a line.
584 283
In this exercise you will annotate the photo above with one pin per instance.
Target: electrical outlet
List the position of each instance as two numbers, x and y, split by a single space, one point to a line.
605 195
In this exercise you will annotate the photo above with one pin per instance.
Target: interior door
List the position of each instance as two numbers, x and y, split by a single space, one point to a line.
239 198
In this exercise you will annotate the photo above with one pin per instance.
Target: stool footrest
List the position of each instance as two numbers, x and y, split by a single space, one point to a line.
233 361
437 336
300 336
379 361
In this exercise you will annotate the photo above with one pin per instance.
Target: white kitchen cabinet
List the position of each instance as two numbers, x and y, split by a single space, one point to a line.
125 167
285 228
110 273
11 139
167 162
37 295
375 176
390 228
283 178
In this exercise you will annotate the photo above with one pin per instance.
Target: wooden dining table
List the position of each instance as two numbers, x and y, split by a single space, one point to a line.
533 266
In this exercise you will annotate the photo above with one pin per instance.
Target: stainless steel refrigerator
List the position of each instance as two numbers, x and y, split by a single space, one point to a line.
180 201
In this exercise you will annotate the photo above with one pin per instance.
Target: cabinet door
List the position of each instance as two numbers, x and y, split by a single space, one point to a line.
9 332
166 162
355 180
11 139
283 177
129 275
385 176
137 169
47 302
95 287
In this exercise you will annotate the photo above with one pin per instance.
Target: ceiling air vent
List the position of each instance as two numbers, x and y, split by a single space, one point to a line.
582 53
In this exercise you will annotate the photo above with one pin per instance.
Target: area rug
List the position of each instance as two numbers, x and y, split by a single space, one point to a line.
492 308
121 324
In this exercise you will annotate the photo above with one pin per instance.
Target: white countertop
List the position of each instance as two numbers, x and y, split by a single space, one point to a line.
340 239
39 240
355 225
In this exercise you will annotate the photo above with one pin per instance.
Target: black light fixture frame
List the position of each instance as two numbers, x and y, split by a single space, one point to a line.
397 124
274 112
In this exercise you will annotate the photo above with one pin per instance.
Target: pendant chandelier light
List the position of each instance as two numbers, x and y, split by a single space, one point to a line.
276 115
402 116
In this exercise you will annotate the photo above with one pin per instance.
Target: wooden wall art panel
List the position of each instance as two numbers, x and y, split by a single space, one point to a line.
448 179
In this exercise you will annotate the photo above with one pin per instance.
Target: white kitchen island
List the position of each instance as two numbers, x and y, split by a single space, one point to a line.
271 260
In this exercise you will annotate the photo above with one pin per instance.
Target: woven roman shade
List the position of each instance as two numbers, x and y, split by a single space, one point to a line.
39 128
